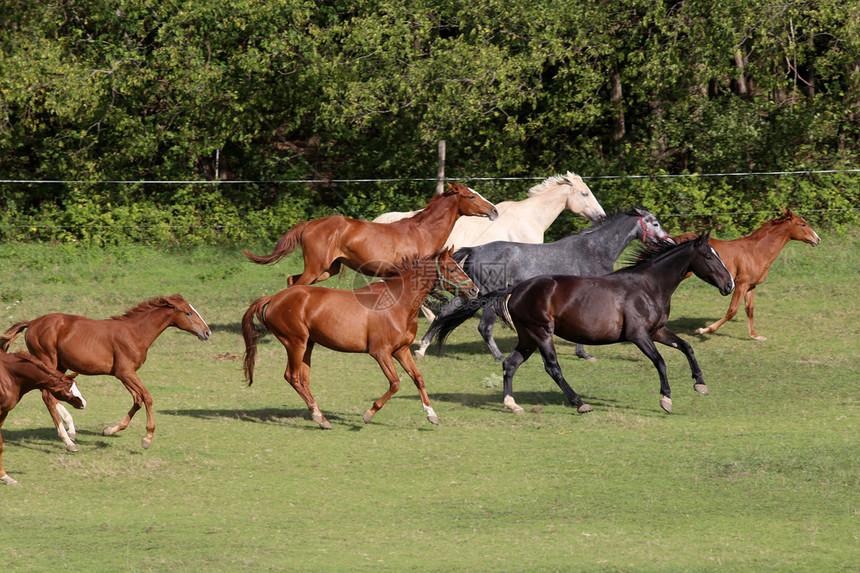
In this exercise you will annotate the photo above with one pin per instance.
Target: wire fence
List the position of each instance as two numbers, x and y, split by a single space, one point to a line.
248 225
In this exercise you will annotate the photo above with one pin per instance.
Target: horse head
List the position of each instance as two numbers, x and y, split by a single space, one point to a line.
452 277
799 229
61 385
707 265
472 203
580 199
650 230
186 317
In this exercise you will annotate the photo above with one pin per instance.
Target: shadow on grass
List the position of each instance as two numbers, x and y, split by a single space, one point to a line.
264 416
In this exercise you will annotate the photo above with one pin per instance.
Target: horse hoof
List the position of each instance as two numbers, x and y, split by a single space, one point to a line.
107 431
368 416
325 425
72 447
666 404
759 338
145 443
7 480
585 409
701 330
701 388
433 420
419 354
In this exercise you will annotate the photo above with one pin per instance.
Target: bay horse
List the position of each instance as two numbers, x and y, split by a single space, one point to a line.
749 258
21 372
380 319
631 304
524 221
116 346
375 248
500 265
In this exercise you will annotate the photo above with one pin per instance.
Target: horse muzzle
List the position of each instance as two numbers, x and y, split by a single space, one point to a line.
204 335
728 287
493 215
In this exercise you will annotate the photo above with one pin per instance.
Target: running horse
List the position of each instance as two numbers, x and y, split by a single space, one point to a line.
630 304
523 221
21 372
116 346
749 258
500 265
375 248
380 319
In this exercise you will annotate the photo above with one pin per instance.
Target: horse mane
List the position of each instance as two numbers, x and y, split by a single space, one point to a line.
423 212
553 181
617 214
27 357
645 253
147 305
408 263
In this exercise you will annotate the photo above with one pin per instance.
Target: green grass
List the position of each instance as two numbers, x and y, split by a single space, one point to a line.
760 475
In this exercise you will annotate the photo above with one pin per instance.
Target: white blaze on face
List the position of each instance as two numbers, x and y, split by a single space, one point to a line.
731 278
479 195
195 312
77 393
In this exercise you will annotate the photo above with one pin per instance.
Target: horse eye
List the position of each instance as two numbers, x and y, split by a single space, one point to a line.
188 313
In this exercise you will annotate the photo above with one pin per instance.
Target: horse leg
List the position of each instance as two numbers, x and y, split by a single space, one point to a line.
447 309
580 352
750 308
485 327
142 398
56 410
669 338
733 310
428 314
4 477
404 357
385 362
525 347
298 374
552 367
320 264
646 345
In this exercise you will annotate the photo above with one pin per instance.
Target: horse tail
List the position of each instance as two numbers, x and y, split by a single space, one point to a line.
501 306
446 322
8 337
286 245
252 334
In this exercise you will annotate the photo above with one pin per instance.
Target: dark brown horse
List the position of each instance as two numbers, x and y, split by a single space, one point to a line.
116 346
749 258
20 373
375 248
631 304
380 319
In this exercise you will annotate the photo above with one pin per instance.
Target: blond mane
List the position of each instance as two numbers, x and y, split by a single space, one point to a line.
554 181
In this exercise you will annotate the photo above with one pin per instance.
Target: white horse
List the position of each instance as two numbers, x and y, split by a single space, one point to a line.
522 221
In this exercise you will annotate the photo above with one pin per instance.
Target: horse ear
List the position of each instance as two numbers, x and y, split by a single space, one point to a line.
73 375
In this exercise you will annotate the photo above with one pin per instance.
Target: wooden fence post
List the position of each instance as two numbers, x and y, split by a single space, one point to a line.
440 170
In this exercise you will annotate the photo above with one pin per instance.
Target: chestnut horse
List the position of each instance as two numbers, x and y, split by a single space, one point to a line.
522 221
631 304
19 373
116 346
375 248
749 258
380 319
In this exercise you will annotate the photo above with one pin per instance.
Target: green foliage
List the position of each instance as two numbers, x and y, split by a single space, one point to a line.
245 90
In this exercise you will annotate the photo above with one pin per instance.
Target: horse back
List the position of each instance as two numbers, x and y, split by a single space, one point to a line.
77 343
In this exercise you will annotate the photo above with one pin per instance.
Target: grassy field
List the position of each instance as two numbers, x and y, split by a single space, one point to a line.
760 475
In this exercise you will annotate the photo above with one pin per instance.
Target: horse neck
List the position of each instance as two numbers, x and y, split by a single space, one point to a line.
148 325
770 238
610 239
416 284
440 214
671 269
28 375
541 210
